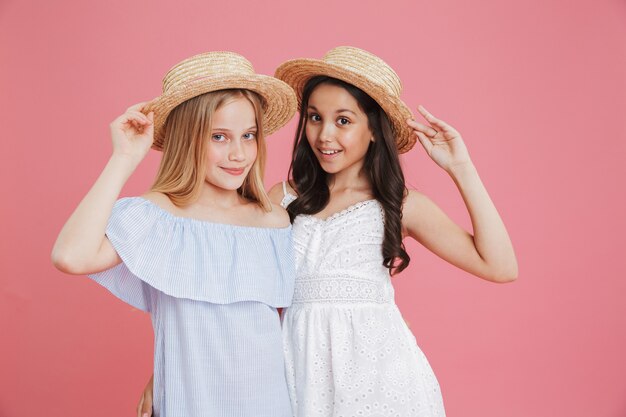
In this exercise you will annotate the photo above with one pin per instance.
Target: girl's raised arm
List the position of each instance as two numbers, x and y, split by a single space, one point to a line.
82 246
489 252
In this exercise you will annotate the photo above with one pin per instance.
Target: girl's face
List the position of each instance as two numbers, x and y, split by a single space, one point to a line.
337 129
232 147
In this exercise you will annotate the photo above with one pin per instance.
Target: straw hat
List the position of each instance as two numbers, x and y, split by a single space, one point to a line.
212 71
363 70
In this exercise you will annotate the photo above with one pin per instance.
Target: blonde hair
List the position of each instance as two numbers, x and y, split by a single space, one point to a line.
183 166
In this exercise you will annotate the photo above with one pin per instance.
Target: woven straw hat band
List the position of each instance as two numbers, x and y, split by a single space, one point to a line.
217 63
368 65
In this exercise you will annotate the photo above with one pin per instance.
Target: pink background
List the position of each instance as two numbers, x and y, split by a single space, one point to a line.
538 90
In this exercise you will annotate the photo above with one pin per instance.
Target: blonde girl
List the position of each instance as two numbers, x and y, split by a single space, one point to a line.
204 251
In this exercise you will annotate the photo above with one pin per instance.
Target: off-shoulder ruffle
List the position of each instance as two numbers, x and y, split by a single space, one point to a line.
194 259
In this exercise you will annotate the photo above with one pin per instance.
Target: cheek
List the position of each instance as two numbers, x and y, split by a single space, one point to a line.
365 138
253 150
213 154
354 140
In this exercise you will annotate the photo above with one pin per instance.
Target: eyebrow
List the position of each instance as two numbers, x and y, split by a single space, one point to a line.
223 129
338 111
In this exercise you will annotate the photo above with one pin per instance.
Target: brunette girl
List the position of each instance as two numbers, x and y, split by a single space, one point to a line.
348 350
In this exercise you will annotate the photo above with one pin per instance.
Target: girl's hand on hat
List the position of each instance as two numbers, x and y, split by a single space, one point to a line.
442 142
132 133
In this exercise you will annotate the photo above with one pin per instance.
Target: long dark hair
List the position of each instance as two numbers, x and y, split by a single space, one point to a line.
382 166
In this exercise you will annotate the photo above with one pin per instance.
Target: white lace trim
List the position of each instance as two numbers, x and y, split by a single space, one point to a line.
341 289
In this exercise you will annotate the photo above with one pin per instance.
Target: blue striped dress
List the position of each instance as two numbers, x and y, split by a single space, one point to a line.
212 291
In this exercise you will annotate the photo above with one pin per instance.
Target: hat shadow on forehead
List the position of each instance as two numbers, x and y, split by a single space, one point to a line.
214 71
363 70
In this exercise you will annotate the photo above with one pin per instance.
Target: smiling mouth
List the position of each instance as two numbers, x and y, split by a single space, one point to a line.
329 151
234 171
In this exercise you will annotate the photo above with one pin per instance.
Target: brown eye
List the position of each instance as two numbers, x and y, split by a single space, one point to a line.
314 117
343 121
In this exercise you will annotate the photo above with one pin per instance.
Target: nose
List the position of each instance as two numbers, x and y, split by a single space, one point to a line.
236 151
326 132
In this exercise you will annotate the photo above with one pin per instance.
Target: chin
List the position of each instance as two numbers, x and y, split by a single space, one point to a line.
330 168
225 184
231 186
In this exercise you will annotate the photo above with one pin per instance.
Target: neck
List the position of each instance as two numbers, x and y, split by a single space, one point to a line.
350 179
216 197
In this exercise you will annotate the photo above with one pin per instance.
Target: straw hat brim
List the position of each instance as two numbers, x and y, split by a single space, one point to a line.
297 72
279 102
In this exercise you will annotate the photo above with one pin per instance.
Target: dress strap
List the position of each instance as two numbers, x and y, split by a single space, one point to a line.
287 196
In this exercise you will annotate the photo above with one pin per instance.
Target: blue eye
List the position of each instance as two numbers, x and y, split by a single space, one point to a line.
218 137
249 136
343 121
314 117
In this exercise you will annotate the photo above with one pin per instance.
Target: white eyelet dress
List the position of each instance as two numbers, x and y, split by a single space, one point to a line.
348 352
212 291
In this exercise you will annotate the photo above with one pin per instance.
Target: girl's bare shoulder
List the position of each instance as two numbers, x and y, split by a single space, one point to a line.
160 200
277 217
414 199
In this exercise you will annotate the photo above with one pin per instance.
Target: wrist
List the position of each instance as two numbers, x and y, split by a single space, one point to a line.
124 159
462 169
123 163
